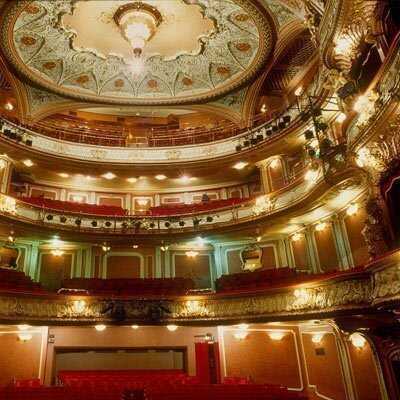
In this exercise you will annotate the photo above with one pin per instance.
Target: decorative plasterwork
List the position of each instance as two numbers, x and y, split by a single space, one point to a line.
39 47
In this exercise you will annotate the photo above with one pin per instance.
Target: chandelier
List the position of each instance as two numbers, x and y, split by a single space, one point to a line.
138 23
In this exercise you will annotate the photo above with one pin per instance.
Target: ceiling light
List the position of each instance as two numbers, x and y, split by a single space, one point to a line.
240 165
109 176
23 327
320 226
192 254
172 328
317 337
160 177
63 175
341 117
28 163
352 209
57 252
131 180
298 91
135 327
8 106
276 335
357 340
100 328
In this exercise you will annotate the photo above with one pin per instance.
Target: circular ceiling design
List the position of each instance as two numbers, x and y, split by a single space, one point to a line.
138 52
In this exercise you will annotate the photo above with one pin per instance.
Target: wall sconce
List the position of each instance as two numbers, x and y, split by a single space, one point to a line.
100 328
135 327
172 328
352 209
320 226
357 340
8 106
296 237
317 338
79 306
276 335
23 327
192 254
57 252
24 337
105 248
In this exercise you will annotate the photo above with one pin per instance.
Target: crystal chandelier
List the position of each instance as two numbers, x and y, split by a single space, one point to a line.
138 23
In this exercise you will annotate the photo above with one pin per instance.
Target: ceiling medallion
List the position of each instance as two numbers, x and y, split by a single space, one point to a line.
151 52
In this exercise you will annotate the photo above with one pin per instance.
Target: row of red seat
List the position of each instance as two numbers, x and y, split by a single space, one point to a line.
16 281
69 206
139 286
165 392
182 208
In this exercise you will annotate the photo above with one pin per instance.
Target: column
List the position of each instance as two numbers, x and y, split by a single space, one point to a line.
344 254
312 249
6 167
265 185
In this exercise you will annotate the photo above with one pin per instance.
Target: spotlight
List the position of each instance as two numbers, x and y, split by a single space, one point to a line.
49 217
78 221
108 224
124 225
308 134
167 224
246 143
253 141
209 219
286 119
259 137
94 224
238 147
63 219
181 223
268 132
152 225
281 125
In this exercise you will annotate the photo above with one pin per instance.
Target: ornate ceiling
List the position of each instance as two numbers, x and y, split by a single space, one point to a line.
201 50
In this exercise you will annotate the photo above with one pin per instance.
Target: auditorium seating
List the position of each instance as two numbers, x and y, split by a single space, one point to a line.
128 287
17 282
72 207
182 208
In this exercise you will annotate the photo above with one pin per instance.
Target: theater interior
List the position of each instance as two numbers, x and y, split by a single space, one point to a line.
199 200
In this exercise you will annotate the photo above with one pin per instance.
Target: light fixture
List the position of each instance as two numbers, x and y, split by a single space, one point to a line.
131 180
240 165
79 306
320 226
298 91
172 328
243 327
341 117
142 202
276 335
135 246
311 175
142 177
259 238
11 238
3 164
192 254
274 163
185 179
264 108
240 335
352 209
63 175
357 340
296 237
109 176
362 103
100 328
164 247
135 327
28 163
89 178
57 252
25 336
317 337
23 327
8 106
138 23
105 248
160 177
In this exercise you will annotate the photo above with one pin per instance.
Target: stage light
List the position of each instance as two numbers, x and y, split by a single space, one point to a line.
209 219
63 219
108 224
167 224
78 221
49 217
94 224
181 223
